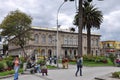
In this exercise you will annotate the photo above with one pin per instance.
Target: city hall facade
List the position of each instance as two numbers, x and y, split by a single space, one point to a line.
44 43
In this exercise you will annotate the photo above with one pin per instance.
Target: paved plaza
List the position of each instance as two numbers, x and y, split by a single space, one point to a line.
89 73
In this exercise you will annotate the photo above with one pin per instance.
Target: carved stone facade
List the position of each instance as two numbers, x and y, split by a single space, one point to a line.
44 43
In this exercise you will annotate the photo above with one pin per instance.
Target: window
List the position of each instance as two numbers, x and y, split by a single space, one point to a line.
43 38
65 40
74 41
92 42
36 38
97 42
68 39
54 39
108 45
119 45
71 41
50 39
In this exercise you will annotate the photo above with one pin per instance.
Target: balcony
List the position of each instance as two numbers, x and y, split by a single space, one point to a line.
69 46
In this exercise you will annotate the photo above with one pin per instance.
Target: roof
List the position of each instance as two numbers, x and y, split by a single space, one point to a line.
60 30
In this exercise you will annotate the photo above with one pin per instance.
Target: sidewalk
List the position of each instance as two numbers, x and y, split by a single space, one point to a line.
89 73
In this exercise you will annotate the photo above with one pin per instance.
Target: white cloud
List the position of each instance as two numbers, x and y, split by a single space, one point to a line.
65 21
111 26
44 14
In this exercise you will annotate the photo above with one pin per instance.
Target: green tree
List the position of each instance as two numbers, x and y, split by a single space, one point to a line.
15 27
92 18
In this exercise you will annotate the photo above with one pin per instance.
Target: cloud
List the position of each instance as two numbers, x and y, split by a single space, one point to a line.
110 27
44 14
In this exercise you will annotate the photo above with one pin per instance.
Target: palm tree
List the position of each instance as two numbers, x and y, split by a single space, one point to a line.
92 18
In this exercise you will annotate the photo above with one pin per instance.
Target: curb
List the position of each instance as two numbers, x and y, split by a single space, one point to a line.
12 75
2 77
96 78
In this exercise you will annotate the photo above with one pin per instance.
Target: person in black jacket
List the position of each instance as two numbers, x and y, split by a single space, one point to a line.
79 65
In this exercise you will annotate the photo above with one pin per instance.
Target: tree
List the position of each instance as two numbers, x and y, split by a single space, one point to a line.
16 25
92 18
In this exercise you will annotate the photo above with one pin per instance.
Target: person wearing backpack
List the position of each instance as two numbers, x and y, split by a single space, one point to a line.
79 65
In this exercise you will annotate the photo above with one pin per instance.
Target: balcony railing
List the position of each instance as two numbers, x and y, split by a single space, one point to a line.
69 45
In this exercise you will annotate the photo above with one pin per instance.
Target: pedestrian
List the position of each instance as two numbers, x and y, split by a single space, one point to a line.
66 62
63 62
50 59
79 65
55 59
16 67
37 68
44 70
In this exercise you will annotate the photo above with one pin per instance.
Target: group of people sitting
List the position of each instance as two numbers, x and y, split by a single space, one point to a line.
37 68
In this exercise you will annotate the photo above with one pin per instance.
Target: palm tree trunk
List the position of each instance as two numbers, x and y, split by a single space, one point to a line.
88 40
80 29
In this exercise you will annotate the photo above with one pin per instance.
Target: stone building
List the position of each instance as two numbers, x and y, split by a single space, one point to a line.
44 43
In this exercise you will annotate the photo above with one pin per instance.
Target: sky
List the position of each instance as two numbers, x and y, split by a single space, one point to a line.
44 14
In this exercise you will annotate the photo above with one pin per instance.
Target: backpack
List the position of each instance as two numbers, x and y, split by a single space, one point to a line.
79 62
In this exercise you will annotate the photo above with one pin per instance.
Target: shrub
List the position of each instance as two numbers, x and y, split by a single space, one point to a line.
88 58
116 74
1 66
5 65
41 62
97 59
22 60
112 57
72 60
10 58
10 64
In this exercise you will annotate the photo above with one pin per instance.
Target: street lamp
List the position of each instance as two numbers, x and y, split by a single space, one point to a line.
58 26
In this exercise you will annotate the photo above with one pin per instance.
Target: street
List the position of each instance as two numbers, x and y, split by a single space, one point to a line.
89 73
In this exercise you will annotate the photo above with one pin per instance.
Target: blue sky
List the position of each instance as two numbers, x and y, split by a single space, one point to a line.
44 14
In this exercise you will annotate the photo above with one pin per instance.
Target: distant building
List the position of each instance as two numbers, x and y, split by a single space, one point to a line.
110 46
44 43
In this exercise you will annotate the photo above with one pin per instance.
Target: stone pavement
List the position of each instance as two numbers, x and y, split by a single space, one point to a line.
89 73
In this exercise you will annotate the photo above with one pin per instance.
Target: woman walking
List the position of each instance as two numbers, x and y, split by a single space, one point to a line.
16 67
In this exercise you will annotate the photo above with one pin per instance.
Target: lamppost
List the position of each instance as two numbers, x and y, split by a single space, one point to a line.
58 26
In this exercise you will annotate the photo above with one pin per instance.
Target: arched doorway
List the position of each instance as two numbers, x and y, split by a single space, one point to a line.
75 55
66 54
49 53
42 52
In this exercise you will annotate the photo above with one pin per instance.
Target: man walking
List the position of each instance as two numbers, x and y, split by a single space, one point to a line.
79 65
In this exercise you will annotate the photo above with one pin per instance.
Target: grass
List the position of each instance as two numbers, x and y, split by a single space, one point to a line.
73 63
9 72
93 64
51 67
